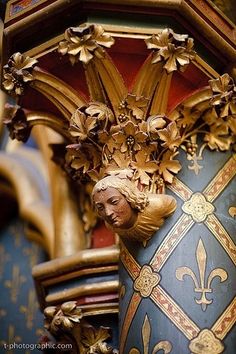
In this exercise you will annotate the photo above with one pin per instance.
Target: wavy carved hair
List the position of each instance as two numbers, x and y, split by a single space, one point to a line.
138 200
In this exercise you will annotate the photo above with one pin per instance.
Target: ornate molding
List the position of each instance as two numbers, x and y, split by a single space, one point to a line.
67 326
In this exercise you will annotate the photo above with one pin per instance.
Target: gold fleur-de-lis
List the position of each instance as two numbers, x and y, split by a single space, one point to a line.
30 310
15 284
3 312
32 252
202 285
146 334
12 338
4 257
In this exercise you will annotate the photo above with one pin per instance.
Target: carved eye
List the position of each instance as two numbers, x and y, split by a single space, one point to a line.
114 201
99 207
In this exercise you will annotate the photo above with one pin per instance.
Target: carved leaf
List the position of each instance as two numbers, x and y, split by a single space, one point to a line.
121 159
174 49
168 167
155 123
137 105
218 139
92 336
81 126
170 136
143 167
102 38
188 116
100 111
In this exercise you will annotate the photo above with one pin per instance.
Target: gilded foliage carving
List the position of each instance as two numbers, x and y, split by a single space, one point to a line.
175 49
17 72
62 319
82 43
94 340
125 133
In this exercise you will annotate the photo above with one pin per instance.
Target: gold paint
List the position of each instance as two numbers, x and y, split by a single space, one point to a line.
64 203
171 241
85 262
83 290
4 257
146 333
198 207
222 236
12 338
177 316
122 291
63 318
180 189
93 340
202 285
30 310
82 42
2 312
15 284
17 72
226 321
146 281
32 253
194 158
221 179
175 49
206 343
232 211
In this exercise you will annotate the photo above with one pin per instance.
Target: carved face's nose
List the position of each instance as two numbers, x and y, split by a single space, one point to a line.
108 210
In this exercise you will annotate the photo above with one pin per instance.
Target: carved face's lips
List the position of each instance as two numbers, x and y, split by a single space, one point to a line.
113 221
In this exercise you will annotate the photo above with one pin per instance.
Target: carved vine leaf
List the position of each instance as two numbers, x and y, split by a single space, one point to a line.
16 121
169 167
154 123
77 159
218 138
101 112
81 126
137 105
214 120
81 43
175 50
130 138
171 137
224 95
188 116
62 319
143 167
17 72
93 340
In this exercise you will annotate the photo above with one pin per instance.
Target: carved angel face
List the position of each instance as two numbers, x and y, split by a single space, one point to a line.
113 208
